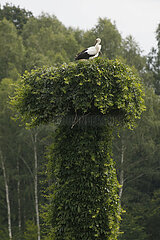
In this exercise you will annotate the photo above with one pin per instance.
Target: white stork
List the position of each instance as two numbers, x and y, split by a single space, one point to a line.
90 52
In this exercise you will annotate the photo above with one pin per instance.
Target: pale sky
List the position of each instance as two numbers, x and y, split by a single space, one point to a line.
138 18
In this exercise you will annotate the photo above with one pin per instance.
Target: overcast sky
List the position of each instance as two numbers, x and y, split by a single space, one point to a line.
138 18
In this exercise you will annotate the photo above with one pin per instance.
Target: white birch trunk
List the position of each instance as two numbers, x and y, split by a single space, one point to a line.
121 181
19 199
7 196
34 140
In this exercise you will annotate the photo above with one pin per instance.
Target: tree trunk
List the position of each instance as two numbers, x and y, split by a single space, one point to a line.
84 183
121 181
34 140
19 199
7 196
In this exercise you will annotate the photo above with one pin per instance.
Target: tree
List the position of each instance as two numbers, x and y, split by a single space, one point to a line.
132 54
5 89
153 219
110 36
154 63
84 200
20 161
7 195
48 42
140 171
31 231
16 15
11 51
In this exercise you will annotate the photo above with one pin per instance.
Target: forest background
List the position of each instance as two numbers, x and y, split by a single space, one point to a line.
27 42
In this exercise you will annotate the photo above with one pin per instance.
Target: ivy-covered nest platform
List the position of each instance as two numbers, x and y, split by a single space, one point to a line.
86 100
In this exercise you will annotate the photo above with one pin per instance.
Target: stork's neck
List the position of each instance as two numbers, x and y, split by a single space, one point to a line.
98 46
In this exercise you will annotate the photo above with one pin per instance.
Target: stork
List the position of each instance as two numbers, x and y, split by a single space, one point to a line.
90 52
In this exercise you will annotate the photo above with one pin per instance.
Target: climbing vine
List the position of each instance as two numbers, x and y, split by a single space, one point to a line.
86 100
98 87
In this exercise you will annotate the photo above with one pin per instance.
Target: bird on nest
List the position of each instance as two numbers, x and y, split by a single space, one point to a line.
91 52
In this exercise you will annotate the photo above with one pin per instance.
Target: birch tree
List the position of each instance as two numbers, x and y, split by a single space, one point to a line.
7 195
34 135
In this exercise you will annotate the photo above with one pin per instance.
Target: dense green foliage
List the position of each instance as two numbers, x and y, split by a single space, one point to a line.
97 87
84 202
11 51
16 15
17 151
23 47
141 173
154 62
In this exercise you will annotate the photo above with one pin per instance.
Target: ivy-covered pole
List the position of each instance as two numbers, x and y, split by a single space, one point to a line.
86 100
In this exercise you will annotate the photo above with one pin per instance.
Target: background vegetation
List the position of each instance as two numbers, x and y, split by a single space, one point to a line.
27 42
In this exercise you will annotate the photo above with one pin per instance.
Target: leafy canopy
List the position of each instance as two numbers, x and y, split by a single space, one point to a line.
11 51
16 15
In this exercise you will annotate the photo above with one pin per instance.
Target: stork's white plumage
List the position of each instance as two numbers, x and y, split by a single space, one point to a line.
90 52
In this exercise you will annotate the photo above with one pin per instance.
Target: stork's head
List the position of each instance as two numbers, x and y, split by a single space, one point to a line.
98 40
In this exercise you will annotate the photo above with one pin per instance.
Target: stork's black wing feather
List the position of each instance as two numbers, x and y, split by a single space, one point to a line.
83 55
